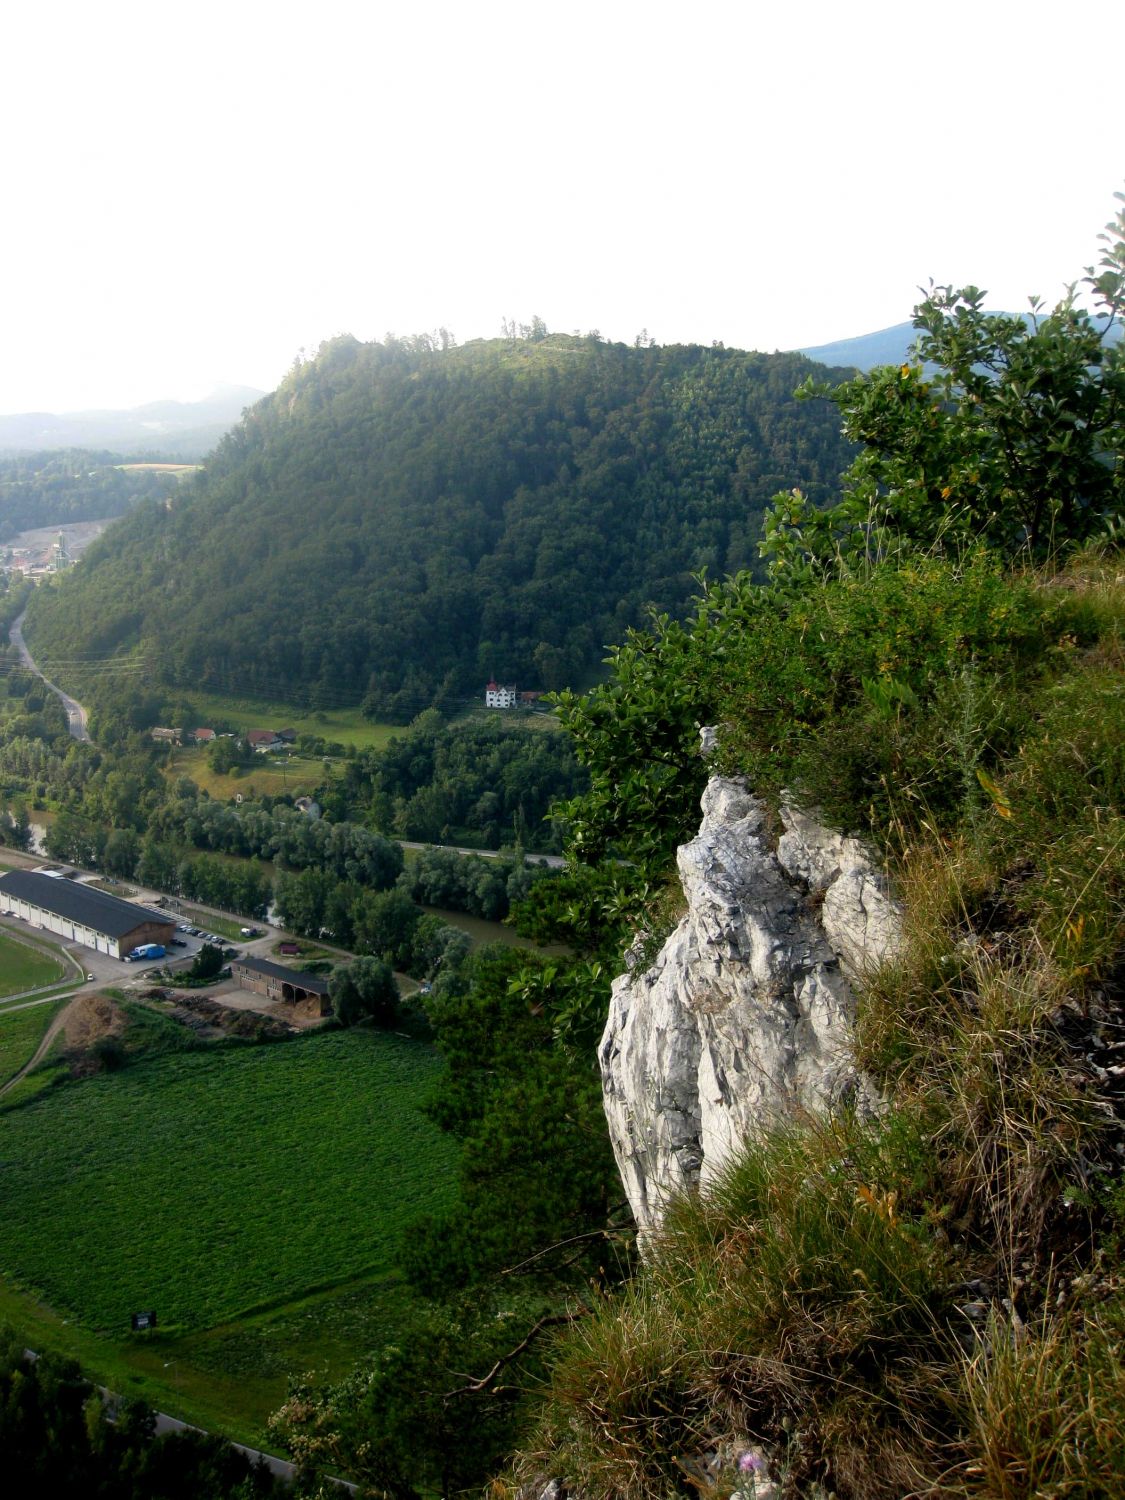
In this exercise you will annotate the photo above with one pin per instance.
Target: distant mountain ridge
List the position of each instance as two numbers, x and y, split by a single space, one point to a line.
888 346
180 429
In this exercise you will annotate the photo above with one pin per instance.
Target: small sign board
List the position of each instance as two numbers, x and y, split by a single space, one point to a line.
143 1321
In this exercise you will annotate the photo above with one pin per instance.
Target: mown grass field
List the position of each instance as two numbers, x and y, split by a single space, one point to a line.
346 725
228 1379
23 967
208 1184
299 776
252 1196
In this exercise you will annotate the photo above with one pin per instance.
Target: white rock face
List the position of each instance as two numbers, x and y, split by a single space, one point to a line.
747 1010
862 924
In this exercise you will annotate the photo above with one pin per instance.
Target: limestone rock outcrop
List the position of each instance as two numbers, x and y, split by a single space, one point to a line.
746 1011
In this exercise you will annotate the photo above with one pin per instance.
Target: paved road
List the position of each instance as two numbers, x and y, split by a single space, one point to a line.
280 1467
75 713
556 861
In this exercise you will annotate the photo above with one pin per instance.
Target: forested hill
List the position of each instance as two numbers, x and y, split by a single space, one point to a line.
398 521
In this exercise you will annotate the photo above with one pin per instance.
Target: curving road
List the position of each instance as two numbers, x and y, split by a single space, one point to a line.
75 713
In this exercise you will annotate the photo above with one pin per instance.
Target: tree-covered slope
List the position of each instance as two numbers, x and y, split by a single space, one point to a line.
400 521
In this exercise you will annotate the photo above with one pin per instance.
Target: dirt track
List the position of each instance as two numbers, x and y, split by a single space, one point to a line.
84 1020
40 1052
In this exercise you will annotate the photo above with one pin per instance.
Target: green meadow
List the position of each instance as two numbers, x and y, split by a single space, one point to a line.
269 776
345 725
20 1033
23 967
252 1196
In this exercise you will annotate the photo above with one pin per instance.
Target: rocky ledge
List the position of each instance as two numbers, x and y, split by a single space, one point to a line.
747 1011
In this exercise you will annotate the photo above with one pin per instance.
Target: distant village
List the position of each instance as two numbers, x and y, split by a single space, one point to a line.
272 741
262 741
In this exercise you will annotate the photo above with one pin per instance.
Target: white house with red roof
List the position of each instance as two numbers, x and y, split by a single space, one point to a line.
500 697
261 740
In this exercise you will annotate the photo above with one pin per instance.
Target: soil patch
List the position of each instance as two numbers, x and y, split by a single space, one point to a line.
210 1018
89 1019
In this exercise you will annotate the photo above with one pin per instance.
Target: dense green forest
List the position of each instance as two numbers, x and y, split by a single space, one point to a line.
399 522
480 782
78 484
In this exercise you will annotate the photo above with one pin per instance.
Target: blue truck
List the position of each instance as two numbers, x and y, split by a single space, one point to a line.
146 950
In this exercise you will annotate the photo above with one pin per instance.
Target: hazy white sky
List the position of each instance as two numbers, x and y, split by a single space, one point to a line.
194 192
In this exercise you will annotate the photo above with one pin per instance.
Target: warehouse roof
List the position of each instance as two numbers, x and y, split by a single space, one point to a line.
78 903
303 981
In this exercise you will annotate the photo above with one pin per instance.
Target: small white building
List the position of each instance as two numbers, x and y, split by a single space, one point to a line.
500 697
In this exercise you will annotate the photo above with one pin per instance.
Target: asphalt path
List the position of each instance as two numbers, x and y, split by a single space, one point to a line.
280 1467
555 861
75 713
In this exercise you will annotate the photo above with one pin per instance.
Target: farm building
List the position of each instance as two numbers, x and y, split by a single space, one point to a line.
307 992
81 914
261 740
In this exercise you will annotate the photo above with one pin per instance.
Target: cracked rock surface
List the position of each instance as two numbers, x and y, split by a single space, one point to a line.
747 1010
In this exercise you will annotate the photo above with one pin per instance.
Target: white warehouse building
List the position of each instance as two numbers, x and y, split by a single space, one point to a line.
81 914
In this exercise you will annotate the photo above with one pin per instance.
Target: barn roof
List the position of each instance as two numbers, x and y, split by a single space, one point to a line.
79 903
303 981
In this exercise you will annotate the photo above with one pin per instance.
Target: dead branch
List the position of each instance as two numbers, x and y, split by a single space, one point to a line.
475 1387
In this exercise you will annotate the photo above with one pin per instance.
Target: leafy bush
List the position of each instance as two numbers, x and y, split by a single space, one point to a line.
1003 429
862 696
364 990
